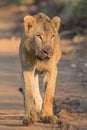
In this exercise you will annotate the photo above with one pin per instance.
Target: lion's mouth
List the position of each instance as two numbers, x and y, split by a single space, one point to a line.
41 58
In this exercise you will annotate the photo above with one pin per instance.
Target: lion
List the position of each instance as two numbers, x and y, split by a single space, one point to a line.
39 53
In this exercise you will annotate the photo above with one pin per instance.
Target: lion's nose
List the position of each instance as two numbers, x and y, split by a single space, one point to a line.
47 50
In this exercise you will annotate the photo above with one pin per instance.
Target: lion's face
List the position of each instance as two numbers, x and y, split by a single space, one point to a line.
42 34
44 40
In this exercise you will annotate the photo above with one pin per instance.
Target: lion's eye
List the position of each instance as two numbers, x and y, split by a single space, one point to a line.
53 38
38 37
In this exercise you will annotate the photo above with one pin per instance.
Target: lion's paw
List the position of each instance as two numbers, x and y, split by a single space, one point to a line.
29 120
49 119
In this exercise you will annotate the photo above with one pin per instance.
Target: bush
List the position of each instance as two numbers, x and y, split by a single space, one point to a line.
79 8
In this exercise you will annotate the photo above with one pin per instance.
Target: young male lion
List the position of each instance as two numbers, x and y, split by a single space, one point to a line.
39 53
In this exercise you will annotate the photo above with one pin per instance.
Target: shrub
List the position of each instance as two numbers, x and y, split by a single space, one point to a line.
79 8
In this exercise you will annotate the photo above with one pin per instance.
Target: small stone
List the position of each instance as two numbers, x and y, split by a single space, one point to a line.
84 83
73 65
85 64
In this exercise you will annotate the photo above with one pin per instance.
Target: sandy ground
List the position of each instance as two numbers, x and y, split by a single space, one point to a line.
70 101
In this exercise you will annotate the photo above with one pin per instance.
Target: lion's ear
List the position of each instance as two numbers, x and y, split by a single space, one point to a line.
29 22
56 21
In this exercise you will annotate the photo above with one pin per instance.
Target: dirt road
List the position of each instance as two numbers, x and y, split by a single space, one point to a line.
70 101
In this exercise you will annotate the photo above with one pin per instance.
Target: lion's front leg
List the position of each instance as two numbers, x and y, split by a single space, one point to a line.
47 112
36 94
31 114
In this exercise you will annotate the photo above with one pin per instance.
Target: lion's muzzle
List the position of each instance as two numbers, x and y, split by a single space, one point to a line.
45 53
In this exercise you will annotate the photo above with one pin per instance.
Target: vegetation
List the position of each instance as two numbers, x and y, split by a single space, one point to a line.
79 8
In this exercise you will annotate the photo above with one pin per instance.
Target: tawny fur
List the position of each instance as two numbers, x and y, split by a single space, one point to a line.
40 39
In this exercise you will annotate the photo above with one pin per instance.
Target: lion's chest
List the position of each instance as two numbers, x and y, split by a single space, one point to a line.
41 67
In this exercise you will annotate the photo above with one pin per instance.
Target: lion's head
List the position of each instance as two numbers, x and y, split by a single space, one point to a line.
42 34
